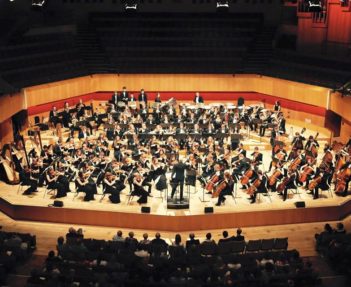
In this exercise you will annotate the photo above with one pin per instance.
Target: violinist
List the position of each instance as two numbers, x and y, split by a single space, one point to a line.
113 186
83 133
192 170
27 179
257 157
238 151
52 180
259 185
84 185
226 186
139 189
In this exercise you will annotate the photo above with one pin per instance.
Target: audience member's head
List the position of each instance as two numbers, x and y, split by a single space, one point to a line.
208 236
145 236
60 240
225 234
158 235
239 231
177 239
192 236
131 234
328 228
119 233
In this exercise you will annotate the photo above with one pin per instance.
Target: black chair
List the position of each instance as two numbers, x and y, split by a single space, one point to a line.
208 249
224 248
237 247
267 244
253 245
281 244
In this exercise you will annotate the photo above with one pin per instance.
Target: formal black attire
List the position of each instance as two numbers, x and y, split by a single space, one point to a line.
178 178
198 99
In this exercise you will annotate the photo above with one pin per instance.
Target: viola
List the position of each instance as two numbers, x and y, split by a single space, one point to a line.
252 189
246 177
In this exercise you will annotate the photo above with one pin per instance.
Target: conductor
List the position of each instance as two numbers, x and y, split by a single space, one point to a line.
178 177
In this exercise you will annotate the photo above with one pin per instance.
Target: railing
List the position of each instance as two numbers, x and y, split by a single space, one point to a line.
317 8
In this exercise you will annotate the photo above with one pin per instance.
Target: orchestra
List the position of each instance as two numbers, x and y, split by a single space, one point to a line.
153 143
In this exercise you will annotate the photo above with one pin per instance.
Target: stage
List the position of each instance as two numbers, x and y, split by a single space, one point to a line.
237 211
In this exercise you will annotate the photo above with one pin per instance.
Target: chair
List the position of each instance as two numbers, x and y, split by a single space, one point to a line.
131 194
329 190
224 248
48 190
21 185
237 247
253 245
103 192
280 244
267 244
295 190
208 249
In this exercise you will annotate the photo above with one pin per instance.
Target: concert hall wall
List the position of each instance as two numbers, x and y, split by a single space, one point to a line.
302 102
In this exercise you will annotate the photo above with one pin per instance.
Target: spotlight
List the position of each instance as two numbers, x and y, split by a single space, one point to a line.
222 5
38 3
131 5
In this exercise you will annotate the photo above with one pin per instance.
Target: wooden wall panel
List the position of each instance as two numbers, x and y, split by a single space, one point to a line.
47 93
345 131
341 105
10 105
6 131
271 86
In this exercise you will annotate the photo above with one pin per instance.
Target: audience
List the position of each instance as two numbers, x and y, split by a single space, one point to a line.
105 263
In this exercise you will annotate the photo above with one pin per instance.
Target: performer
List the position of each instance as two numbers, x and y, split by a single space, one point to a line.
27 179
298 141
277 107
259 185
80 109
124 95
142 98
257 157
178 178
198 99
53 116
113 186
114 99
53 183
139 189
84 185
287 183
225 187
158 98
311 146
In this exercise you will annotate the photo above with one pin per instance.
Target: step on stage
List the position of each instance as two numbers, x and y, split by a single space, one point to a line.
237 212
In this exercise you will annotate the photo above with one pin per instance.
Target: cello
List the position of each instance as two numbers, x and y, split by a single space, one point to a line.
246 177
219 188
253 188
341 180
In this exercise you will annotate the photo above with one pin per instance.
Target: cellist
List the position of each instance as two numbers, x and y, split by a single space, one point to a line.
228 184
311 142
258 186
344 171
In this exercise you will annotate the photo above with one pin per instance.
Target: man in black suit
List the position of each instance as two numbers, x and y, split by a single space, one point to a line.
142 98
225 237
158 240
178 178
198 99
124 95
53 116
114 99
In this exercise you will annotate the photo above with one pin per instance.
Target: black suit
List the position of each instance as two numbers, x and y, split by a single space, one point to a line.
114 99
124 96
198 99
178 178
142 98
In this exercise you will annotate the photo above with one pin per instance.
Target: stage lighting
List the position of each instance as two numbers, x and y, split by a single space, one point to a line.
38 3
222 5
314 6
131 5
